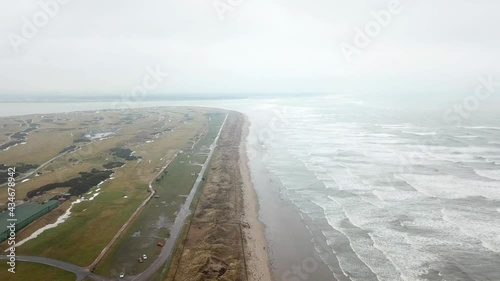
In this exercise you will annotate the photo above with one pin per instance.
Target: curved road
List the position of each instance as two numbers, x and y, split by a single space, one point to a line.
80 272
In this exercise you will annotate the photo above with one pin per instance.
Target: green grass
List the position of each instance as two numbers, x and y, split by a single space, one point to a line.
165 269
34 271
92 224
82 237
153 224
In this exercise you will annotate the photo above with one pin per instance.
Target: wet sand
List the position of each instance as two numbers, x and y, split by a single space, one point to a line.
257 258
291 252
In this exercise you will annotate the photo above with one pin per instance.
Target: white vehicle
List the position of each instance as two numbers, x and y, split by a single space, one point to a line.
122 275
144 257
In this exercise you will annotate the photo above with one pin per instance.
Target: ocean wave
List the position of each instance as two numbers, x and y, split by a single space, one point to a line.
482 128
484 226
397 126
378 189
395 195
420 133
490 174
377 264
451 187
384 250
467 137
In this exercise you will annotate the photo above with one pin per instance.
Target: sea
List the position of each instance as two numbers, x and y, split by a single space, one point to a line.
385 192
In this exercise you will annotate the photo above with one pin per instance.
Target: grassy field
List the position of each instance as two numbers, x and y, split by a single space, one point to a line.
153 224
24 272
93 223
162 274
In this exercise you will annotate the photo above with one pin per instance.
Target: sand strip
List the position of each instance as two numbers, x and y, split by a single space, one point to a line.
257 257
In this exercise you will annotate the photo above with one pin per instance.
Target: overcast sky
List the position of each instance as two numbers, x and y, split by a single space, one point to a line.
256 46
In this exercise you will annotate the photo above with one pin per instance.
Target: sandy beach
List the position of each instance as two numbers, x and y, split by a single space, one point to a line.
256 248
287 239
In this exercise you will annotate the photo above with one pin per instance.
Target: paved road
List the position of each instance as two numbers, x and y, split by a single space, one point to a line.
179 222
29 174
80 272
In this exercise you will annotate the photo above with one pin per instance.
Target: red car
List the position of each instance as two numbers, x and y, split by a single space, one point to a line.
159 244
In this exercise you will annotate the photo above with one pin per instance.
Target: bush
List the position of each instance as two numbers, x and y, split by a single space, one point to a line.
77 186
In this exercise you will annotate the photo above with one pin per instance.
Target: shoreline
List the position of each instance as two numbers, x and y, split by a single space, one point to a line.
291 247
256 244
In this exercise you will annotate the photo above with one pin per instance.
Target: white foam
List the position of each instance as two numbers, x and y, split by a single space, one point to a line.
483 227
397 126
371 257
419 133
396 195
451 187
59 220
378 135
356 162
394 245
482 127
491 174
389 245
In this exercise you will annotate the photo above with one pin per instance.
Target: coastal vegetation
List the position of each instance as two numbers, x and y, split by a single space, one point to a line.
77 172
77 186
124 153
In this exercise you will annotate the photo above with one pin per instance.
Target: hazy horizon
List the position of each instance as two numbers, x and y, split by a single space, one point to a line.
264 47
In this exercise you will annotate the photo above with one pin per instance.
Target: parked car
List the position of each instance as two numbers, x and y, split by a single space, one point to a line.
144 257
159 244
122 275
